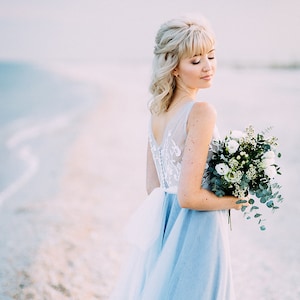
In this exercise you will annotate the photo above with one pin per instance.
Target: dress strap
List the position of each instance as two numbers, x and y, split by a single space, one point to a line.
187 113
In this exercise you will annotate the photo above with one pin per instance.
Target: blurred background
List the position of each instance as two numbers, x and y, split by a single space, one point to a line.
248 33
74 81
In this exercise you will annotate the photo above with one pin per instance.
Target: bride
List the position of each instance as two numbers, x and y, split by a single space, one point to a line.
180 233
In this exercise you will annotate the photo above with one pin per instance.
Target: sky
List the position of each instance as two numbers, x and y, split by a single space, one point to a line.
256 31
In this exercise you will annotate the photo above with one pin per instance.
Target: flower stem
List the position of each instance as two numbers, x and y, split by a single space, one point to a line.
229 219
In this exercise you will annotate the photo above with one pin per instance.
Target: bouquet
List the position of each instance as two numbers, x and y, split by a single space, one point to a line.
244 165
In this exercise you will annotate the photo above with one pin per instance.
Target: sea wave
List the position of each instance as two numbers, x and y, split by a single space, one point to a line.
19 143
37 130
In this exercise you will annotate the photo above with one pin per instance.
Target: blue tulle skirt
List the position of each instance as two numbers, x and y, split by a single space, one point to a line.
188 257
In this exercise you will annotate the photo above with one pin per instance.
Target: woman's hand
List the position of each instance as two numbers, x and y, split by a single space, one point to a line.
240 202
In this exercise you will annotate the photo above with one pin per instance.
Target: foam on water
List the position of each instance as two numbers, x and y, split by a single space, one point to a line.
19 143
32 162
36 107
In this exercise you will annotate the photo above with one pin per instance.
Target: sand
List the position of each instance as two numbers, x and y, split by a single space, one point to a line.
79 254
81 249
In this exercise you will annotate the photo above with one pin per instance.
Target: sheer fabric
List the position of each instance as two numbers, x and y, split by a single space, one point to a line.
177 253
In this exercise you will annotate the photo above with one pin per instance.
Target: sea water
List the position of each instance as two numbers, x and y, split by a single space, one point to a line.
40 113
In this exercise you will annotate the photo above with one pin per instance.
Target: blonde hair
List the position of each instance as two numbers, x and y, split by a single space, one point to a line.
176 39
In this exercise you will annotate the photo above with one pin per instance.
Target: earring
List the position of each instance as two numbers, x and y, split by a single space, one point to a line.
175 73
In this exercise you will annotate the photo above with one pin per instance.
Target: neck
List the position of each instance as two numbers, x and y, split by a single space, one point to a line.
183 90
182 95
180 98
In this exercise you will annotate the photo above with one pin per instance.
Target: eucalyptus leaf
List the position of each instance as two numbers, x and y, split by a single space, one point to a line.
253 208
243 208
241 201
251 201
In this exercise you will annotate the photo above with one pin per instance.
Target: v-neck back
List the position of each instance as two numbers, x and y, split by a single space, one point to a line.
174 119
167 154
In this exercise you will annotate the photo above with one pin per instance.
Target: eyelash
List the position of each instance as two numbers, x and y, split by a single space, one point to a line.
198 62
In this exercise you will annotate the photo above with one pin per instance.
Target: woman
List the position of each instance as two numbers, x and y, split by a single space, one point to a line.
180 233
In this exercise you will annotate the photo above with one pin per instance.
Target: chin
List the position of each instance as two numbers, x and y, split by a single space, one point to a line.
206 86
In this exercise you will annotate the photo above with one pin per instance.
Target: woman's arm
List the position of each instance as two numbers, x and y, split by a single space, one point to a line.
151 175
200 129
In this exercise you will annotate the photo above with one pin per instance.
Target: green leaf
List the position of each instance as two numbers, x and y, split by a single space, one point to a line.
220 193
262 227
263 200
241 201
253 208
243 208
258 194
257 215
251 201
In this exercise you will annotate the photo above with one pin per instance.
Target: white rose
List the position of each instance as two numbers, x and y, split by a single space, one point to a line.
232 146
237 134
269 155
268 162
270 171
268 159
264 164
222 169
234 177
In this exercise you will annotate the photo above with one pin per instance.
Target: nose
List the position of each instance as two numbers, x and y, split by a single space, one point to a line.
206 66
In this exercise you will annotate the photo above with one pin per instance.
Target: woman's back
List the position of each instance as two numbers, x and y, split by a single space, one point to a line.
167 149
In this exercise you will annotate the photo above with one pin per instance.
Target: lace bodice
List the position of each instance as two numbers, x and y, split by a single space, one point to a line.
167 156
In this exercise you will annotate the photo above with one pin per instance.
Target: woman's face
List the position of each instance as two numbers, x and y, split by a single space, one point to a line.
196 72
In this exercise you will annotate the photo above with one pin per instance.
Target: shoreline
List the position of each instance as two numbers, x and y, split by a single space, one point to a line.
69 245
79 249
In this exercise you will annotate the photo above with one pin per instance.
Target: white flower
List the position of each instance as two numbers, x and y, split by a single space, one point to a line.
222 169
239 192
234 176
251 173
232 146
268 160
269 155
237 134
233 163
270 171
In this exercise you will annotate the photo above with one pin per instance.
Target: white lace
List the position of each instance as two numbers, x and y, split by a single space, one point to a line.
168 156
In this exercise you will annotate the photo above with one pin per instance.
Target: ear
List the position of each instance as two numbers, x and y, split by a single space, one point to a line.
175 72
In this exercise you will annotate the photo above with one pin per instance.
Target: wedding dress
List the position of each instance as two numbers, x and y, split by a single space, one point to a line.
177 253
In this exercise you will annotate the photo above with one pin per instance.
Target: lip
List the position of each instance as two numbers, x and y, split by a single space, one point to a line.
206 77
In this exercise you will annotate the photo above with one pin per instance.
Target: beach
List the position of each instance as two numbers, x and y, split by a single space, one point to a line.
67 244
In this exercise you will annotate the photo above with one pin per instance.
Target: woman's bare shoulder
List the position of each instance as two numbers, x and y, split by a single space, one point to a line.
202 112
